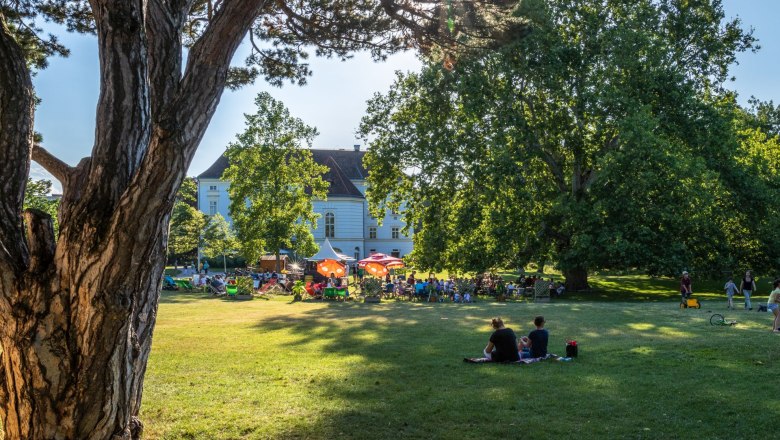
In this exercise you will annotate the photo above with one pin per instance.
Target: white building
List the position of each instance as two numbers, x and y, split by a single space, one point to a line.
344 217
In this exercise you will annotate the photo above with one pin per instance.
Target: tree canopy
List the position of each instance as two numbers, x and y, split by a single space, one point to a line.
273 180
602 140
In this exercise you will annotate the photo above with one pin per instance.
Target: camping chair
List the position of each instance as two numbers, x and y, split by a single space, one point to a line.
231 289
216 291
330 292
185 284
268 285
169 284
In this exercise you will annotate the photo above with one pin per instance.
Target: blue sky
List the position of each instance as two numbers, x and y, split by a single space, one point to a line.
334 98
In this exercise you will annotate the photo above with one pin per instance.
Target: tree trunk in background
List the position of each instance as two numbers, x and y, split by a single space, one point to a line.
576 279
277 261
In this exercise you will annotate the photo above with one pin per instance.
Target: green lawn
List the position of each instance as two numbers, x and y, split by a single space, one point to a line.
273 369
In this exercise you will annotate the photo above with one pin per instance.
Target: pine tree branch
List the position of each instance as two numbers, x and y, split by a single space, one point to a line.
59 169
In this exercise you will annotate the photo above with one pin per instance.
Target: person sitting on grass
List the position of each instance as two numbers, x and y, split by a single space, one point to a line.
503 343
536 341
773 305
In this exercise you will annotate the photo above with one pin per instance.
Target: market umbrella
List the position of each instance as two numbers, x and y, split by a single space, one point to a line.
383 259
328 266
376 269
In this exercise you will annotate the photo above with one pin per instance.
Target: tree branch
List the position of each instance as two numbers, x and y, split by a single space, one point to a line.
59 169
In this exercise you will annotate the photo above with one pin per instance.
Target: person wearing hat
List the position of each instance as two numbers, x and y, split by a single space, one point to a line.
685 286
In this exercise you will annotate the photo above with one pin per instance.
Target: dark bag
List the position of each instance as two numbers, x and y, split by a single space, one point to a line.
571 349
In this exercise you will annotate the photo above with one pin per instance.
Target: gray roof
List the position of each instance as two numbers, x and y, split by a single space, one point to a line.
343 167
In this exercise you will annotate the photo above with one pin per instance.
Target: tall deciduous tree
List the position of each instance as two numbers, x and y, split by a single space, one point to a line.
273 180
78 314
592 141
219 239
187 222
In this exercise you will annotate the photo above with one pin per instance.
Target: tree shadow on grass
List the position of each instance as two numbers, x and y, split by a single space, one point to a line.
410 381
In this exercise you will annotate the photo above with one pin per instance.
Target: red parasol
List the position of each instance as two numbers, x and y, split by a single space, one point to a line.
383 259
376 269
327 267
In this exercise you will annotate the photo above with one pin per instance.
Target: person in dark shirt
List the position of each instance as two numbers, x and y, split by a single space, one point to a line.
685 286
503 343
536 341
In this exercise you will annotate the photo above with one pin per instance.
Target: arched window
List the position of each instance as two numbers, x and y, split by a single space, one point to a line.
330 225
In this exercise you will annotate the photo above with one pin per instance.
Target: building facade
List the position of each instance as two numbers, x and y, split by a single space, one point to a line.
344 217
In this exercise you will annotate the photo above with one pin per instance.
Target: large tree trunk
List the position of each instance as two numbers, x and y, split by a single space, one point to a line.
78 311
576 278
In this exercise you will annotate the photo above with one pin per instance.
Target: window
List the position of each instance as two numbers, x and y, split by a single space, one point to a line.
330 225
396 232
372 232
213 188
212 207
357 253
395 253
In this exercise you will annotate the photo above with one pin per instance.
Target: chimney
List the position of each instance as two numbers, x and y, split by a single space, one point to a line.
356 147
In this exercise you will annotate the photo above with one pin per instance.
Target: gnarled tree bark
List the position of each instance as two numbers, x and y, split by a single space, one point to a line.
78 311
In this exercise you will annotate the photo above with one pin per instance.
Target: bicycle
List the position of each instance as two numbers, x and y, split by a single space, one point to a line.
718 319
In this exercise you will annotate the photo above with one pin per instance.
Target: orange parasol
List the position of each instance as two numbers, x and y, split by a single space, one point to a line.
327 267
376 269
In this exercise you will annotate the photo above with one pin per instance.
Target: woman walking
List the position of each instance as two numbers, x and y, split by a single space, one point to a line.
747 287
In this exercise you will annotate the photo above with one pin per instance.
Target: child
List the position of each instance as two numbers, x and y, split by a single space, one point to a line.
536 341
466 297
731 289
773 305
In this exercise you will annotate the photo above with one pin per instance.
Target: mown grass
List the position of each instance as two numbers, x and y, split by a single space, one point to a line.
280 370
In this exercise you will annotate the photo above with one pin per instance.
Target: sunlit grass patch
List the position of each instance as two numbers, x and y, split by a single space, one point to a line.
326 370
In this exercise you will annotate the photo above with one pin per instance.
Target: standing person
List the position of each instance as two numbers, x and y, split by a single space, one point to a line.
503 343
731 289
773 305
686 288
747 287
206 267
536 340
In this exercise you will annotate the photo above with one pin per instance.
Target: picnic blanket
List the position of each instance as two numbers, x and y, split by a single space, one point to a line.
484 360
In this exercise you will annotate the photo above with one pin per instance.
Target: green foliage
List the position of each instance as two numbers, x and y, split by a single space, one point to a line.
36 197
372 286
299 287
218 237
245 285
600 141
23 17
273 180
187 222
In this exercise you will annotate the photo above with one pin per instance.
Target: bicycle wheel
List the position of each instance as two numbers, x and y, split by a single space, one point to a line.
717 319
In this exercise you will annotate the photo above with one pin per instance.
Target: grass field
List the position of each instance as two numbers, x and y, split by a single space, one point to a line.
274 369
